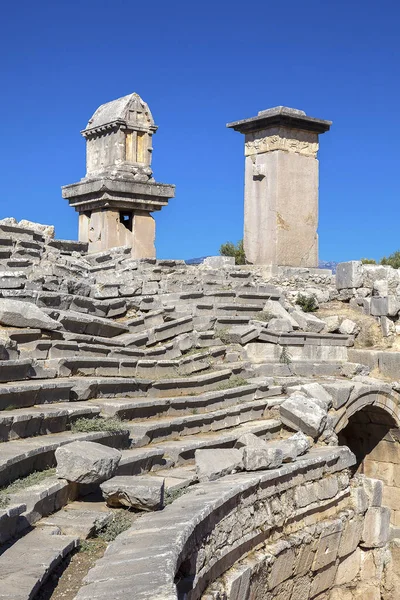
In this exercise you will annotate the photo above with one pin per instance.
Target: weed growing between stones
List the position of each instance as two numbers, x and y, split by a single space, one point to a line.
20 484
170 497
264 315
120 522
223 335
307 303
232 383
86 425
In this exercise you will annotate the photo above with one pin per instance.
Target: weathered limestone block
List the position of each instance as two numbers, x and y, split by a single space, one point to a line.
257 454
292 447
16 313
46 230
303 414
275 308
86 462
279 325
308 321
282 568
141 493
328 546
348 327
376 527
374 490
218 262
316 391
349 568
332 323
388 306
213 464
351 536
349 275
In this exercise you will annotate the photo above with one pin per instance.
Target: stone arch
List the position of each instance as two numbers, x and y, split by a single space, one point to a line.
370 427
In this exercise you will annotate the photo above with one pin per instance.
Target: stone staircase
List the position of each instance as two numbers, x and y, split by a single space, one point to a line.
155 358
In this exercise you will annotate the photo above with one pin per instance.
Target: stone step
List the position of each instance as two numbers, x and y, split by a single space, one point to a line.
43 419
151 407
301 338
77 322
190 385
78 520
27 564
182 451
36 501
154 430
20 457
299 368
16 370
29 393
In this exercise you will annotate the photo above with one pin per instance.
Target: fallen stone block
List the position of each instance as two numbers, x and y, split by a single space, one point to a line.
141 493
349 275
86 462
294 446
348 327
279 325
257 454
332 323
303 414
308 321
212 464
16 313
276 310
242 334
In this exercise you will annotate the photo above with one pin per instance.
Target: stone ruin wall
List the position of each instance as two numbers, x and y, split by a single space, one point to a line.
320 524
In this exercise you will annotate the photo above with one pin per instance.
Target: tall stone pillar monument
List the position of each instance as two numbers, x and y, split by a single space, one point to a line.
118 194
281 187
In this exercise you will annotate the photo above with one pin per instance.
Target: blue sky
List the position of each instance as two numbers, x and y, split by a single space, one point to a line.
200 65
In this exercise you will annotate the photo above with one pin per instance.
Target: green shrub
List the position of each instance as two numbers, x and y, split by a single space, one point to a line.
307 303
25 482
120 522
368 261
264 315
237 251
86 425
393 260
233 382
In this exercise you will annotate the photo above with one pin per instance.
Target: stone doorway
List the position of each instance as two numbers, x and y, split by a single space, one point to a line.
374 437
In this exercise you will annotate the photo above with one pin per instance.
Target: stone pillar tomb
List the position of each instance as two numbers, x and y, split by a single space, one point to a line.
118 194
281 187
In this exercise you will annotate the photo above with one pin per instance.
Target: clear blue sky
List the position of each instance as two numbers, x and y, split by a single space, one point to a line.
199 65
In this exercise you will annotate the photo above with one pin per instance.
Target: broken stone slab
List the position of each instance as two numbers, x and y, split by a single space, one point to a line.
86 462
276 310
242 334
376 527
16 313
303 414
388 306
316 391
308 321
292 447
139 492
46 230
349 275
215 463
219 262
257 454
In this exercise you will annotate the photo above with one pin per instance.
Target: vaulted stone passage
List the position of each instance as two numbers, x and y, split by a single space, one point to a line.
374 437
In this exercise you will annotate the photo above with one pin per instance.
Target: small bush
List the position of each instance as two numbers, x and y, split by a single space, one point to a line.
86 425
237 251
4 501
393 260
368 261
120 522
307 303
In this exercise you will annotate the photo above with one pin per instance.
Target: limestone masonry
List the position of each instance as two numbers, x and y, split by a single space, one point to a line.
281 186
115 198
213 432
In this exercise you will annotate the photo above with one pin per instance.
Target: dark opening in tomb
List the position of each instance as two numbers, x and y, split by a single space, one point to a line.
126 219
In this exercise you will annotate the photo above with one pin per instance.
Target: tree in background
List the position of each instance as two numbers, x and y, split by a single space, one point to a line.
237 251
